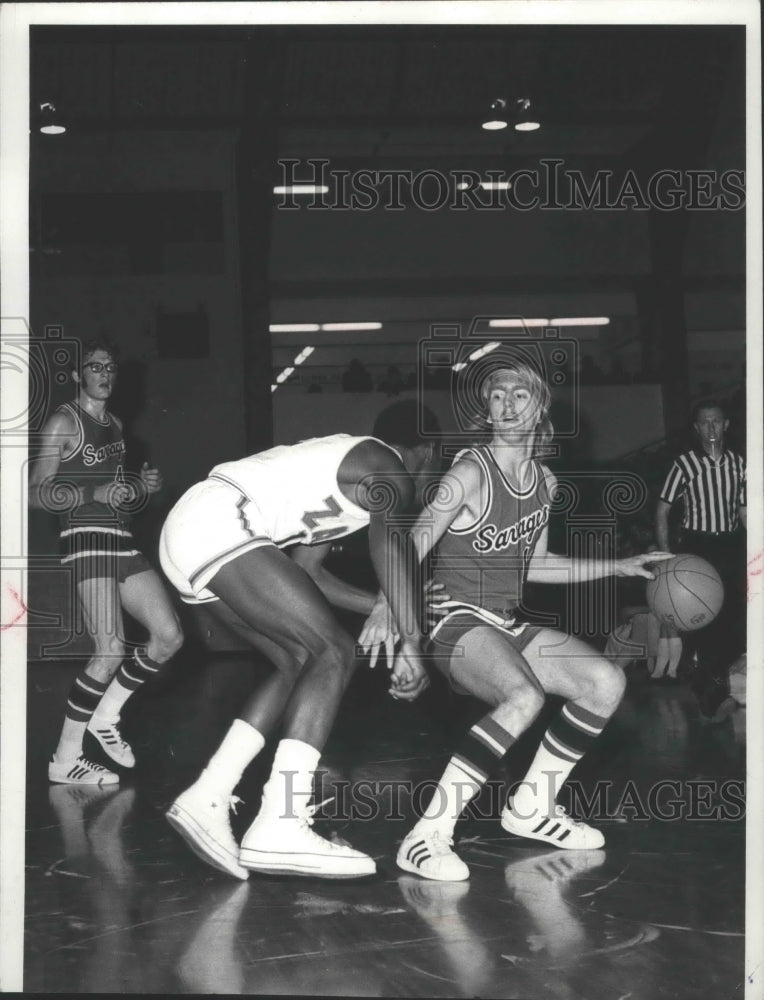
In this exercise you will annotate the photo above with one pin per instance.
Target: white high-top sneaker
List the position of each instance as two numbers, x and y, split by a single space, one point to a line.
287 845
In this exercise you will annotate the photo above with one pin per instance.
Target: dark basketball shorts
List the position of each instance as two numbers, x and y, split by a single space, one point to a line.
96 552
445 634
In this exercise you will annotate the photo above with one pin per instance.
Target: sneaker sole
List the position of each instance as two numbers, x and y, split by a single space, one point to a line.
110 779
408 866
561 844
109 754
278 863
204 848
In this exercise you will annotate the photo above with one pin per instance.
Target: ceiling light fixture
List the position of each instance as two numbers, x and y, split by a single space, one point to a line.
301 189
486 185
524 120
497 115
50 121
475 355
514 324
294 328
581 321
351 326
303 355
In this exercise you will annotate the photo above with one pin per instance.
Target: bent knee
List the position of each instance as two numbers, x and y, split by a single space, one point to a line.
331 649
523 697
606 682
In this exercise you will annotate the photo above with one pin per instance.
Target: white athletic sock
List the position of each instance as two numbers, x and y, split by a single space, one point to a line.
110 706
449 800
563 745
674 655
70 742
241 744
290 785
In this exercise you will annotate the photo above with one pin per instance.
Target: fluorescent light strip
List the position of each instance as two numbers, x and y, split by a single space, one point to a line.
485 349
315 327
479 353
581 321
304 353
494 125
294 328
351 326
301 189
486 185
284 375
512 324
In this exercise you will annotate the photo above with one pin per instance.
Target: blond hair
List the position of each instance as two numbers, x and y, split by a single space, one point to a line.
539 390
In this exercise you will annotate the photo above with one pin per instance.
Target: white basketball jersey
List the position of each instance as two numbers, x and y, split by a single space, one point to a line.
295 490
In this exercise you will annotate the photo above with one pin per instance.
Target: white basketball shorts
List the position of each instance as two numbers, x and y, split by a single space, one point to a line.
210 525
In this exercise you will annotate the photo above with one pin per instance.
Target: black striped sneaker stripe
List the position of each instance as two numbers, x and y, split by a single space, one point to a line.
418 853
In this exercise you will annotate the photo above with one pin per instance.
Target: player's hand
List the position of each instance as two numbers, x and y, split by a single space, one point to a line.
379 630
409 676
635 565
435 595
152 478
114 495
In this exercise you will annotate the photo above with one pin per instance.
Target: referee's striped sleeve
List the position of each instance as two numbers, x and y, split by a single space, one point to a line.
673 484
741 499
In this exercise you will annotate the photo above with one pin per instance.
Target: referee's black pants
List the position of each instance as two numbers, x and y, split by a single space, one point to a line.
719 644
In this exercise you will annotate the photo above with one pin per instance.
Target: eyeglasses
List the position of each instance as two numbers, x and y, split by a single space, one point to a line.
98 366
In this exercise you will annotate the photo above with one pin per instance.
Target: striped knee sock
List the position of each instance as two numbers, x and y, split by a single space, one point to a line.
564 743
130 676
85 694
475 757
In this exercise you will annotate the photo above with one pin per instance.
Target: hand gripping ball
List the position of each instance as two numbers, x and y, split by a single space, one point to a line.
687 592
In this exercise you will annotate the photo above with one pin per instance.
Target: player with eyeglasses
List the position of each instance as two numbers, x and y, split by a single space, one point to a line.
79 474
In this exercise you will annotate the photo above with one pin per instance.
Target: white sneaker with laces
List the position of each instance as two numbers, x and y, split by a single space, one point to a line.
203 821
110 738
80 771
288 846
428 853
559 830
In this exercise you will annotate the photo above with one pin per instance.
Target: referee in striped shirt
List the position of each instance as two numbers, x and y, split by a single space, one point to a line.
710 479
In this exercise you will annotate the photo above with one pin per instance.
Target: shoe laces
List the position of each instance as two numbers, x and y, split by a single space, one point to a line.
439 843
305 818
84 762
562 815
307 813
233 802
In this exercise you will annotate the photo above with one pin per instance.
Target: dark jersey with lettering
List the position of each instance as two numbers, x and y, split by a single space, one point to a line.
98 458
485 563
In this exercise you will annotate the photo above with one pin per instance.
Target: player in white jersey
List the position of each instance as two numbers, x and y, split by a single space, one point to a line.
488 524
224 544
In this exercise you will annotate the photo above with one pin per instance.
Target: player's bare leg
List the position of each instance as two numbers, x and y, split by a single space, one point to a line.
144 597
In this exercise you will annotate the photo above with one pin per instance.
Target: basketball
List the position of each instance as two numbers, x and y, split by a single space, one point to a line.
687 592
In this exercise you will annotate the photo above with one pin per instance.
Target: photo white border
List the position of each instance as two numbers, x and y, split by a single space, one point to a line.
15 22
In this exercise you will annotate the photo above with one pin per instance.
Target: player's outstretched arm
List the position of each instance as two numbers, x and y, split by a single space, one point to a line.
548 567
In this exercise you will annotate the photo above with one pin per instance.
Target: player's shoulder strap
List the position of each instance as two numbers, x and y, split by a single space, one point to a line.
72 411
475 453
